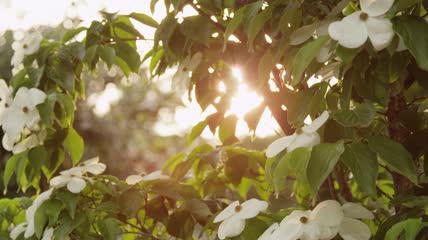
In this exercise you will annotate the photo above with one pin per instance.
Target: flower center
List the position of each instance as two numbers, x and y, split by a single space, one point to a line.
238 208
303 220
185 69
25 46
364 16
25 109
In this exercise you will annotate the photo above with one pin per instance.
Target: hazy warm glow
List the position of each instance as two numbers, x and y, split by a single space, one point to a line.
244 101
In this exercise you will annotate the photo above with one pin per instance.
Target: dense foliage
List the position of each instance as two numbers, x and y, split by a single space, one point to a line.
358 69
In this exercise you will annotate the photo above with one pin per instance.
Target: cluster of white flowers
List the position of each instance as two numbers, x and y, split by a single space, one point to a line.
134 179
233 217
74 178
353 30
26 43
20 118
325 221
307 136
28 227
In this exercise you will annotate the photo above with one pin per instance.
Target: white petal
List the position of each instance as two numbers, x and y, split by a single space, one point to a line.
13 121
279 145
154 176
32 118
44 196
133 179
37 96
75 171
376 7
4 90
59 181
350 32
353 210
76 185
25 144
16 231
305 140
267 235
22 97
7 142
328 213
251 208
91 161
290 230
96 168
352 229
316 123
48 233
380 32
231 227
17 59
227 212
30 229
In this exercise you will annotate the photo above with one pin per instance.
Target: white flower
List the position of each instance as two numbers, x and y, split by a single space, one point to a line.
320 223
22 112
28 45
18 230
186 66
233 217
353 30
5 96
29 213
134 179
307 136
48 233
351 228
28 141
74 178
324 222
270 233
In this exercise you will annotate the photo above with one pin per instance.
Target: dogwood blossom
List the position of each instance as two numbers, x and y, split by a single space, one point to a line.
74 178
185 68
48 234
307 136
5 96
22 112
134 179
28 227
353 30
324 222
28 140
28 45
233 217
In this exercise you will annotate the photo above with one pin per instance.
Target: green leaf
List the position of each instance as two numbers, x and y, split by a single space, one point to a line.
400 5
411 227
47 213
130 202
227 129
363 164
304 57
10 168
361 116
323 159
109 228
72 33
197 28
129 28
156 209
395 156
409 29
196 131
257 25
289 163
180 224
74 145
129 55
144 19
107 54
